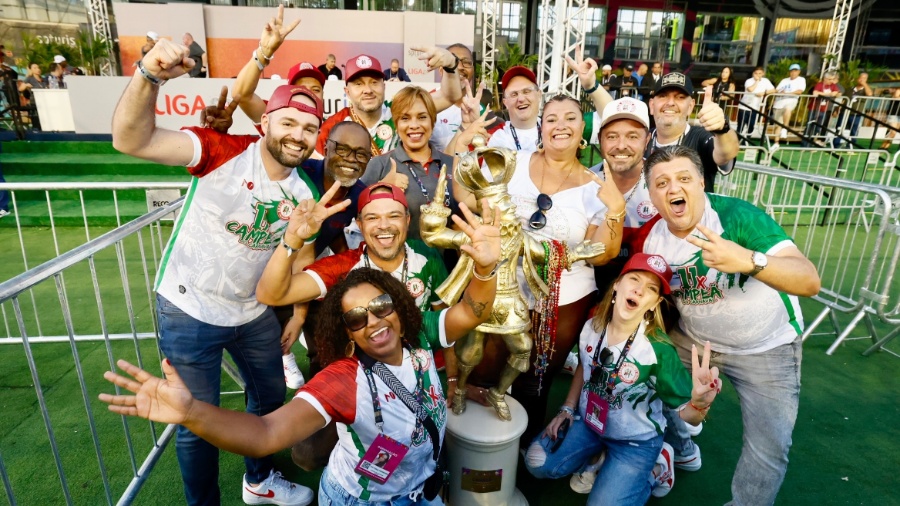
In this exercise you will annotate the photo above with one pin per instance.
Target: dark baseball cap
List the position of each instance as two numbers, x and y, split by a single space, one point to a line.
305 69
364 65
517 71
283 94
395 194
678 81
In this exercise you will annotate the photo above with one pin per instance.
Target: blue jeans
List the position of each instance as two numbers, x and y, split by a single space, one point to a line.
768 388
332 494
624 478
195 349
746 119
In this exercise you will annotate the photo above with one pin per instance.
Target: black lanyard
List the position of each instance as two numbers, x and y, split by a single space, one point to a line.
405 262
512 130
610 382
415 176
652 146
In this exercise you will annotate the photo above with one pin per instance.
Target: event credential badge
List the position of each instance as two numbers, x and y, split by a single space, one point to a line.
382 459
596 413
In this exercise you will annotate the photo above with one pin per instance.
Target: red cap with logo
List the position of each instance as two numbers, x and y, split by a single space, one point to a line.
654 264
363 65
305 69
517 71
368 195
281 98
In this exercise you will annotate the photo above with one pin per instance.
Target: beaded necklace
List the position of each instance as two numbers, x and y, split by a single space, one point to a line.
546 310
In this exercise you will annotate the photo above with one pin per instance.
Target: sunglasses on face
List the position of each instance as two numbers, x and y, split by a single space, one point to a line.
599 375
538 220
344 151
358 317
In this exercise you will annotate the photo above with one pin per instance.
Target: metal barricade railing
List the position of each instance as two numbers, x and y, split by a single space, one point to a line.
101 288
72 213
848 229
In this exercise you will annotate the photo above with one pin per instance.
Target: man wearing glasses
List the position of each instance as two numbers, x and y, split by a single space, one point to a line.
449 120
522 99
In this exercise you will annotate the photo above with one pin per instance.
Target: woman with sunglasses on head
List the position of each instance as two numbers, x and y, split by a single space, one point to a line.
628 370
558 199
377 350
415 164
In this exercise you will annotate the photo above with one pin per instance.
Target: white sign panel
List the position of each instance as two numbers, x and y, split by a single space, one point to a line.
161 198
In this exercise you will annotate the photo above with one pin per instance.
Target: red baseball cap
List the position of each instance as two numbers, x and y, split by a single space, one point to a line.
517 71
396 194
654 264
283 94
305 69
364 65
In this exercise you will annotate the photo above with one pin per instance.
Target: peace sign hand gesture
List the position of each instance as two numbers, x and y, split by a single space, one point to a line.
308 216
706 381
219 117
721 254
471 105
711 117
586 69
275 32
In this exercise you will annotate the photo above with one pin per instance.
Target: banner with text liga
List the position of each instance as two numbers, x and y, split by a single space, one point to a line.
181 100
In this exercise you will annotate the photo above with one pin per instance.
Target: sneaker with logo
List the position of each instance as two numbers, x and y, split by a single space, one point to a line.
293 378
276 490
689 461
694 430
583 482
571 363
662 478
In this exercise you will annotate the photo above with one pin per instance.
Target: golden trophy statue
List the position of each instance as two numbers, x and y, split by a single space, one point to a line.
510 316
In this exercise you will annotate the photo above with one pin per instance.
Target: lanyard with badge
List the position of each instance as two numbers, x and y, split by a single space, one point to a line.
385 453
597 409
412 170
403 277
512 130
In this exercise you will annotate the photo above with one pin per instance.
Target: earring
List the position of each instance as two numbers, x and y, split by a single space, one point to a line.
648 315
613 298
350 349
540 145
584 144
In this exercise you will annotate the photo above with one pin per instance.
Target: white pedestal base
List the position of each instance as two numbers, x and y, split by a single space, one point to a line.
482 451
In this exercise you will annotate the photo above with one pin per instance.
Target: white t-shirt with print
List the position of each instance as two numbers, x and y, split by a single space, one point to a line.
788 85
504 138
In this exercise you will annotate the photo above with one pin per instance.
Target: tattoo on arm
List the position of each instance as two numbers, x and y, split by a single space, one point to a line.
477 307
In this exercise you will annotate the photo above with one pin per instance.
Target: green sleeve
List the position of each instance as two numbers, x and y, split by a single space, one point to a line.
747 225
673 381
588 133
430 336
434 273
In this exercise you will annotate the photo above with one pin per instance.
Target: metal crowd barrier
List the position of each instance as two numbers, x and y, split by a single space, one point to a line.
848 229
102 288
72 214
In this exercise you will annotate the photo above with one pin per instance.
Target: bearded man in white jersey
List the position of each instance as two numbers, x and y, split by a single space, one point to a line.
737 276
244 190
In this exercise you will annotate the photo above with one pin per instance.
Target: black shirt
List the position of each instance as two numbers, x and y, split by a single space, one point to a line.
333 72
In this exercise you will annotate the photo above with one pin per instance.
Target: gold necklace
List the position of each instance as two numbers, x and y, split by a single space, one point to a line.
544 163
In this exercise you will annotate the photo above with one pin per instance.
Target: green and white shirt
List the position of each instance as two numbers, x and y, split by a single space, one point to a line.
651 376
736 313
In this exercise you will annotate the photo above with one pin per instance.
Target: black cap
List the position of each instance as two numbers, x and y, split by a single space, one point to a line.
629 67
678 81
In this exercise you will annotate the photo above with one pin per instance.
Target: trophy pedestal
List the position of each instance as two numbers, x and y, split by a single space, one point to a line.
483 454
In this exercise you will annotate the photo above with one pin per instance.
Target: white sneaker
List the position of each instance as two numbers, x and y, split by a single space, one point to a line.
784 134
3 212
276 490
662 478
293 378
583 482
775 146
690 461
571 363
694 430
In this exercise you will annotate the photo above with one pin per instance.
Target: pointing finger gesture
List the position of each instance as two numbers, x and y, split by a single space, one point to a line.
720 253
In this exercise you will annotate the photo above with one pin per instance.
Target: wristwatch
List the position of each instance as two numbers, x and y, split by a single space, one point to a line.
760 261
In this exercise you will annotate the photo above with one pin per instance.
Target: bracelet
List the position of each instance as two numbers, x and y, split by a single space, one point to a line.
591 90
263 53
616 217
148 76
259 64
567 410
703 410
451 379
489 277
724 130
452 70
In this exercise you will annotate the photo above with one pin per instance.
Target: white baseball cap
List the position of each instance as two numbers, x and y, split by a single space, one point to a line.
59 58
607 67
626 108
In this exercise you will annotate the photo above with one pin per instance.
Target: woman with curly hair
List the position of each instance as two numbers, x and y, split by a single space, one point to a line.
377 349
627 372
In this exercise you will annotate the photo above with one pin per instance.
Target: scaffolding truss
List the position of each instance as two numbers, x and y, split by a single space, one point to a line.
839 26
561 32
98 15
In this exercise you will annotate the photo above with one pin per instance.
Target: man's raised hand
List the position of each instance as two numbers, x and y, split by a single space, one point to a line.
586 69
168 60
435 57
721 254
275 32
711 117
219 117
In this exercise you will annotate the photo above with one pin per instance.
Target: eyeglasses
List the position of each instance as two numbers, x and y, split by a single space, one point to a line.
599 375
362 155
466 63
525 92
538 220
358 317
